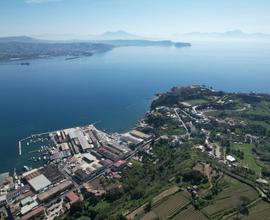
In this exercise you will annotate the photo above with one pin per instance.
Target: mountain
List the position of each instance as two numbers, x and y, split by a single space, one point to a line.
234 34
117 35
21 39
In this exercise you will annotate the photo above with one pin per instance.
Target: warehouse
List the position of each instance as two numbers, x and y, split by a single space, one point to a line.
51 193
38 183
141 135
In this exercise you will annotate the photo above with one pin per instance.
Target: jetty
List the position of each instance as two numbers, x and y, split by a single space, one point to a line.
20 148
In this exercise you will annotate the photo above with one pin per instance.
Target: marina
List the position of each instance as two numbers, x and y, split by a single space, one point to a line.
33 150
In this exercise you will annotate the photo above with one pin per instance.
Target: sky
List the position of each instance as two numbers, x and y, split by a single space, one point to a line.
143 17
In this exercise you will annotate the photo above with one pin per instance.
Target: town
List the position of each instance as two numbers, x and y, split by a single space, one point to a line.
83 161
77 156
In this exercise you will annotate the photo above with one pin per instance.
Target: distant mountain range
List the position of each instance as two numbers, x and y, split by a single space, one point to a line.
234 34
109 35
21 39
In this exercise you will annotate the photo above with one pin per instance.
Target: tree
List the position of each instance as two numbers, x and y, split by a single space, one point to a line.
194 177
148 207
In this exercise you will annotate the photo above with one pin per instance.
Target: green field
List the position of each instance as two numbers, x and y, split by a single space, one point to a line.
249 159
194 102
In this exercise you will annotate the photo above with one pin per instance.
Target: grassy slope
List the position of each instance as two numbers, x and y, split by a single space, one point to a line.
249 159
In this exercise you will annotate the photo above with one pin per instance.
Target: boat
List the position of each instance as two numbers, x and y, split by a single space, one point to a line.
25 64
26 168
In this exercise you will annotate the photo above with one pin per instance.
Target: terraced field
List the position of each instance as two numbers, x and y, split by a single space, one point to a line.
190 214
259 212
169 207
172 205
229 198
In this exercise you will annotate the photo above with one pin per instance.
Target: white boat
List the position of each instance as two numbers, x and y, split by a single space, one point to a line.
26 168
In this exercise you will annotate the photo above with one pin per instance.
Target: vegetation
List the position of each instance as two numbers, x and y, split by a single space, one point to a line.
211 186
140 183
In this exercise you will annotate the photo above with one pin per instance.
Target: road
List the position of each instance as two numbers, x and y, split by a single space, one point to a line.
78 187
180 119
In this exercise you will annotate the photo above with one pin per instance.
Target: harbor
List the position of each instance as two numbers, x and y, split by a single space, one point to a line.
58 163
33 151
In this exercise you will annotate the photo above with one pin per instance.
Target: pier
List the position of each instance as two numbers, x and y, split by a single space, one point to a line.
20 148
27 138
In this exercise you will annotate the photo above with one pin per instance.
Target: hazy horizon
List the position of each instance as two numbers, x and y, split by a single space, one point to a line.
153 18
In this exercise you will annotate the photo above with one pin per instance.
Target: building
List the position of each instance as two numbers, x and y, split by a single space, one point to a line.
25 201
128 138
3 213
72 198
31 174
230 158
52 173
78 136
53 192
3 200
28 207
39 183
37 213
64 146
119 165
141 135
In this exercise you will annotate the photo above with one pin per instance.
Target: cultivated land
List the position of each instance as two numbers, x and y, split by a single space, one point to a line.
197 154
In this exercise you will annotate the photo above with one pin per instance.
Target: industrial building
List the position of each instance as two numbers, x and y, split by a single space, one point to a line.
39 183
53 192
141 135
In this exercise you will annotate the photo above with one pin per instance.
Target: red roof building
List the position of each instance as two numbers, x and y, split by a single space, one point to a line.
72 198
34 214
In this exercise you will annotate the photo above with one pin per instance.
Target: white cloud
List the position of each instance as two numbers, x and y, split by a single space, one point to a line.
40 1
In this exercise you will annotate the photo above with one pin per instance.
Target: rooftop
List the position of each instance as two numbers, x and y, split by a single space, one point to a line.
26 200
72 197
39 182
230 158
51 192
140 134
119 163
28 208
77 133
32 214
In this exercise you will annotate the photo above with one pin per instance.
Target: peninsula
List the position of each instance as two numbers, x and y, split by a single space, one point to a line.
197 153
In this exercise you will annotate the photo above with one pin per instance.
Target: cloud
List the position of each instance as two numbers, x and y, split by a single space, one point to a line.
40 1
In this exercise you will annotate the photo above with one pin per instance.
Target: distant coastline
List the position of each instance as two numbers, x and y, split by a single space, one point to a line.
23 48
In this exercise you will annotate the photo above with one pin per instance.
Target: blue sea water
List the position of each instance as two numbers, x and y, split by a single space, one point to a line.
115 88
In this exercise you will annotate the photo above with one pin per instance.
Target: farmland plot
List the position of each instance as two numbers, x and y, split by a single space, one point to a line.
171 206
190 213
230 197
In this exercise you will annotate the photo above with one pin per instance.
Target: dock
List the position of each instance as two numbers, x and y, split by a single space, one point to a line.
20 148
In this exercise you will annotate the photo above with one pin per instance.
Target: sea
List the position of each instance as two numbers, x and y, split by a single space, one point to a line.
115 89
